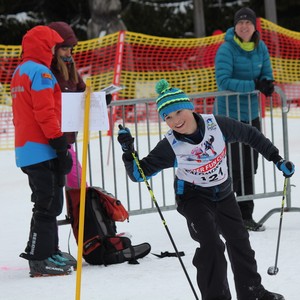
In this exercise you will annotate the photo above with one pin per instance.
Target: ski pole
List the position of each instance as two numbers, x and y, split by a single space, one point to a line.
274 269
164 222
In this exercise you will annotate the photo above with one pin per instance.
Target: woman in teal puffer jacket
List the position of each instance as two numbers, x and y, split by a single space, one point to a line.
243 65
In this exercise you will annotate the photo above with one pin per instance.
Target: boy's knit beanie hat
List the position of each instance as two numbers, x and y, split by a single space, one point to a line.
170 99
245 13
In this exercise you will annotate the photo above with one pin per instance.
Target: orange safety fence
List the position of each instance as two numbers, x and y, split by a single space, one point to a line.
137 61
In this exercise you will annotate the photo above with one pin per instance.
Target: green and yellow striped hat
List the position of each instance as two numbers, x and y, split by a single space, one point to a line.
170 99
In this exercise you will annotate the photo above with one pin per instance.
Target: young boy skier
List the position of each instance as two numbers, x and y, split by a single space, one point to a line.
203 190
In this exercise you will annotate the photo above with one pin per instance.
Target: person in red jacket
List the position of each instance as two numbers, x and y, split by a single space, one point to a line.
41 148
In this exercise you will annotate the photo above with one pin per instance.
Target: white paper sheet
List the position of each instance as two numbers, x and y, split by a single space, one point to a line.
112 89
73 112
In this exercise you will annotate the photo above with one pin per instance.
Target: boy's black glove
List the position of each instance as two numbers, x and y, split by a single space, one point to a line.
125 139
65 161
287 167
265 86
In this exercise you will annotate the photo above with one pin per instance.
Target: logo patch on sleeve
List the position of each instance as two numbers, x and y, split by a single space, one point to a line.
46 76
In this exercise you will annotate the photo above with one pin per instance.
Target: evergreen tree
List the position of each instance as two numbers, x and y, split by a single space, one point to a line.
167 18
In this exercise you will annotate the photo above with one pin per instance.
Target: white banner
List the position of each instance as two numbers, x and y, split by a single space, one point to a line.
73 112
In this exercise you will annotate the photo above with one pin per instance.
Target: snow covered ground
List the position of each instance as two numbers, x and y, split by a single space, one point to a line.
153 278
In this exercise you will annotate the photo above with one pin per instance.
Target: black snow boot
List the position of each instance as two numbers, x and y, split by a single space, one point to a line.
48 267
271 296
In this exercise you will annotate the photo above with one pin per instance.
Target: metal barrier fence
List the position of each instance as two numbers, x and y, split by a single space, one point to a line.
106 167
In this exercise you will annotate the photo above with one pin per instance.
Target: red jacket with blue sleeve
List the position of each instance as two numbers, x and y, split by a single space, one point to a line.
36 98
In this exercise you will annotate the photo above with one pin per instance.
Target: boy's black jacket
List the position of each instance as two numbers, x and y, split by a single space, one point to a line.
162 156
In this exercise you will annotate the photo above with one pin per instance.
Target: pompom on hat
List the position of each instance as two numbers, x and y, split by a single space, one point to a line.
170 99
245 13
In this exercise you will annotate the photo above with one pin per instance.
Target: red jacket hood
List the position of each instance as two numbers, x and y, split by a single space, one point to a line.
37 44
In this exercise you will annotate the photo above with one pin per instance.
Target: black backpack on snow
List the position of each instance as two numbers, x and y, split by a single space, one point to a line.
101 244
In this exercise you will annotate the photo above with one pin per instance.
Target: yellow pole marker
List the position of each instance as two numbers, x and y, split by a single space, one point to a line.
86 134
